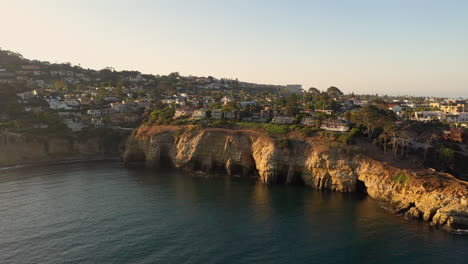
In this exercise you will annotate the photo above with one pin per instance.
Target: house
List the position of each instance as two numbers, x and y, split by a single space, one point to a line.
142 103
217 114
30 67
338 125
183 111
94 112
427 115
450 105
97 122
231 115
247 103
84 101
451 118
57 103
309 121
225 100
463 117
119 107
7 77
395 108
256 117
111 99
168 101
328 112
199 114
26 95
459 135
267 114
282 120
308 111
33 109
72 102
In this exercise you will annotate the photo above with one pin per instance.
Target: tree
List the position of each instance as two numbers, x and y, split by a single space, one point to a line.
372 117
388 133
166 87
313 90
334 91
292 105
427 132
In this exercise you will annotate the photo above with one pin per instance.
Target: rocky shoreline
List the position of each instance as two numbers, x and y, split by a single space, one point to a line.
437 198
22 149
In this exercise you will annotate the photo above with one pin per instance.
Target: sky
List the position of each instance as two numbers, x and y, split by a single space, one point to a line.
395 47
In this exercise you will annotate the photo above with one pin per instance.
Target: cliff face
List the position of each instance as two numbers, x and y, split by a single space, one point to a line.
437 198
18 149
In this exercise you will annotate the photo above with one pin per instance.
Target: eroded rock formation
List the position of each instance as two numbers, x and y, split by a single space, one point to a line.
20 149
437 198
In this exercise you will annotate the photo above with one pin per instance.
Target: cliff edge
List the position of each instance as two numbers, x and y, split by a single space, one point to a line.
437 198
16 148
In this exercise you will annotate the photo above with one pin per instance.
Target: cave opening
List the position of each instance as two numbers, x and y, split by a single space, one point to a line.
164 160
361 187
237 170
218 168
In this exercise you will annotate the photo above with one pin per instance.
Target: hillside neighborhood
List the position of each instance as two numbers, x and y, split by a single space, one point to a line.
88 99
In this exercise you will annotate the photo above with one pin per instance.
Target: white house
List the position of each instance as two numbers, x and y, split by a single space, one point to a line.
335 125
217 114
282 120
226 100
119 107
56 104
72 102
26 95
328 112
308 121
199 114
183 111
94 112
463 117
395 108
74 124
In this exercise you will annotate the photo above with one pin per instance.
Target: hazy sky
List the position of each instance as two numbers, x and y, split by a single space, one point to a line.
417 47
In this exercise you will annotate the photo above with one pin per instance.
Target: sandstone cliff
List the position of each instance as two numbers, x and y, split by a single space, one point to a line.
437 198
20 149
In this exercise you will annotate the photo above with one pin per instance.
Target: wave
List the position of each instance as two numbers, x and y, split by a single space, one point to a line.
60 162
13 167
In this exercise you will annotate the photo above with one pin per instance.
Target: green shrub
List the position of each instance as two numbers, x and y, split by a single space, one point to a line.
269 128
399 176
307 131
161 116
402 178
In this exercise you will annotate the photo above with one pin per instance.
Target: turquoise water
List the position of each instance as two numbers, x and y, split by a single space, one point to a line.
100 212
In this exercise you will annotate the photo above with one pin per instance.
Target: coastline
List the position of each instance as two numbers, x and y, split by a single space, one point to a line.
437 198
71 159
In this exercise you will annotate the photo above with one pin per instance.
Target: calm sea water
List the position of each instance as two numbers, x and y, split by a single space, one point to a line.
100 212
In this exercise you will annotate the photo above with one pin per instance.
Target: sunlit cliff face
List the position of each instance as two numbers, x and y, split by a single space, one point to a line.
440 200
